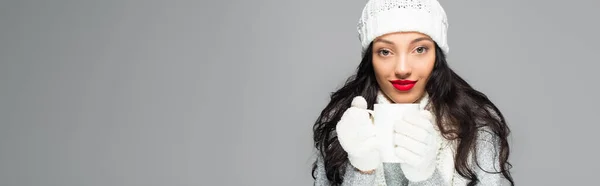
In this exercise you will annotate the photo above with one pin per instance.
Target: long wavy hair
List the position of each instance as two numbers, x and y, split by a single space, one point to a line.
452 100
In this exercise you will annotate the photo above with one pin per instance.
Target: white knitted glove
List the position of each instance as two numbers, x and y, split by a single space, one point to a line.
356 134
417 144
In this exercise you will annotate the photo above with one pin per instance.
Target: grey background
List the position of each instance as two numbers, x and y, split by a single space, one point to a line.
180 92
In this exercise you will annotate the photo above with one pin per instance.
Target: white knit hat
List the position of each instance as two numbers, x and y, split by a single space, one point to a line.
380 17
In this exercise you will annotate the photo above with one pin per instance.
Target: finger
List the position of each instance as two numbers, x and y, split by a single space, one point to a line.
418 120
406 142
359 102
412 131
358 116
407 156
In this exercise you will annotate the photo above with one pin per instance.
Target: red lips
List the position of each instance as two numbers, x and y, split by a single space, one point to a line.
403 85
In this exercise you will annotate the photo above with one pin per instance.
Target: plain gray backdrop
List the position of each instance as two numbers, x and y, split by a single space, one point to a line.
144 93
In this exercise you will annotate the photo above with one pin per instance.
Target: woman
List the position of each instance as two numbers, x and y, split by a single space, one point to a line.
459 137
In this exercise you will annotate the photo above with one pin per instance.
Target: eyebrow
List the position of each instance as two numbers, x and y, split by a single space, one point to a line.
421 39
413 41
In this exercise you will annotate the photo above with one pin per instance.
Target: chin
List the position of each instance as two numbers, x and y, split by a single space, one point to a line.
404 100
404 97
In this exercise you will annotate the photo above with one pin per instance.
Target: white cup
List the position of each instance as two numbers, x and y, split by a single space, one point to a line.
384 116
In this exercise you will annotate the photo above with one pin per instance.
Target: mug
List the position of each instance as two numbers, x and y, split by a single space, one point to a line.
384 116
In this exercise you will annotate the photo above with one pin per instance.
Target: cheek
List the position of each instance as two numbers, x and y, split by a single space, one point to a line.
425 68
382 73
380 68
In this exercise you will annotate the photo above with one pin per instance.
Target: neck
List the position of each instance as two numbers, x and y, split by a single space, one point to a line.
382 98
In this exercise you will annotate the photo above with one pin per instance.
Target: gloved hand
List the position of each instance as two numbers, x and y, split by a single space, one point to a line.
356 134
417 143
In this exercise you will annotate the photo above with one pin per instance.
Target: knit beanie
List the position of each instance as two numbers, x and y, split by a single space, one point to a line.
380 17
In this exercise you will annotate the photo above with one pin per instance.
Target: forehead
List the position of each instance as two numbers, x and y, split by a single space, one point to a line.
402 37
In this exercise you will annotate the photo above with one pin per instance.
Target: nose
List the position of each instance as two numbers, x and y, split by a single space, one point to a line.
403 68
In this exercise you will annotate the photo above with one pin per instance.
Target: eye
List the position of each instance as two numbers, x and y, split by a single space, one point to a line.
421 49
384 52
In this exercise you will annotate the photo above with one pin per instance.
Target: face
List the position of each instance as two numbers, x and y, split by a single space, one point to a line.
403 62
